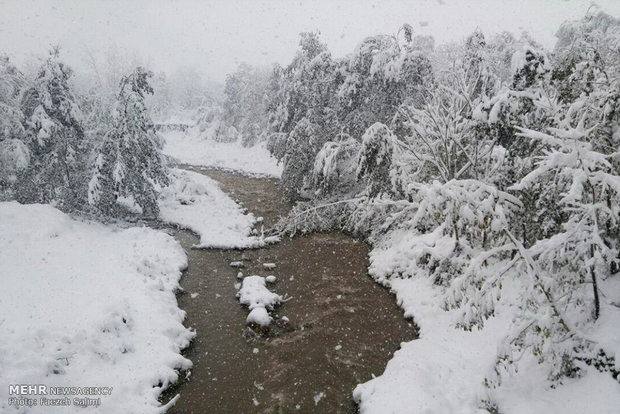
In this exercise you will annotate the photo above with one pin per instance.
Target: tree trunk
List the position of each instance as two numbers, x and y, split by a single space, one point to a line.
597 304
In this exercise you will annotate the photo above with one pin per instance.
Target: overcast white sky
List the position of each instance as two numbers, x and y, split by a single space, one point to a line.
214 36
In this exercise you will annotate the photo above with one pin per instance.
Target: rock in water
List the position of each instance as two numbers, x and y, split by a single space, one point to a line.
259 316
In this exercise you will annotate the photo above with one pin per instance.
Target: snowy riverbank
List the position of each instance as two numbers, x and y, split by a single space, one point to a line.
194 201
86 304
443 370
193 149
89 305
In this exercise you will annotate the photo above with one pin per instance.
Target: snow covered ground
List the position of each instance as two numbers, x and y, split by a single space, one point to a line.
196 202
88 305
443 370
191 148
91 305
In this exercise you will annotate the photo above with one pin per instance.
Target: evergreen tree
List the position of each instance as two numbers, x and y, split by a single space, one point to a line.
55 138
129 167
14 154
303 117
11 84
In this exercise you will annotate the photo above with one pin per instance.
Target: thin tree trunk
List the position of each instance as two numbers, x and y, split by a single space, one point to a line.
597 304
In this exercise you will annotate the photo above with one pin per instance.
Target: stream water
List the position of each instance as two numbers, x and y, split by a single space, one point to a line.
342 329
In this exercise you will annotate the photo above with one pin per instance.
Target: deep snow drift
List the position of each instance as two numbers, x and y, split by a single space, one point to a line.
87 305
193 149
196 202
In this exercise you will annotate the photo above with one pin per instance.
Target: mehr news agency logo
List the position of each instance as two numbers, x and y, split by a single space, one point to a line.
39 395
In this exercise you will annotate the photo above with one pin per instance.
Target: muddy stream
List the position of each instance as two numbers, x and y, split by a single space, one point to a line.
342 329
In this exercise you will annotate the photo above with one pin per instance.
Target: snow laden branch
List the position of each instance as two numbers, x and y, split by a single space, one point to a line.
563 267
589 194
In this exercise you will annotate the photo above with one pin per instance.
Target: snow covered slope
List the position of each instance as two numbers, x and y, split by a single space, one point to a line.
443 370
85 305
196 202
190 148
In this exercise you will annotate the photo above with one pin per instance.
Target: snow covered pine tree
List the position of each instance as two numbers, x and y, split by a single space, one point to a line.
129 168
14 153
55 136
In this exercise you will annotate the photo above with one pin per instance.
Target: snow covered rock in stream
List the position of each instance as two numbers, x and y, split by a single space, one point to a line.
259 316
255 295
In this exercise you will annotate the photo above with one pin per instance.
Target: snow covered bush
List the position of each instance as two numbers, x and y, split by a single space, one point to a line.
297 159
219 131
375 165
586 53
566 268
14 158
129 168
335 166
565 244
